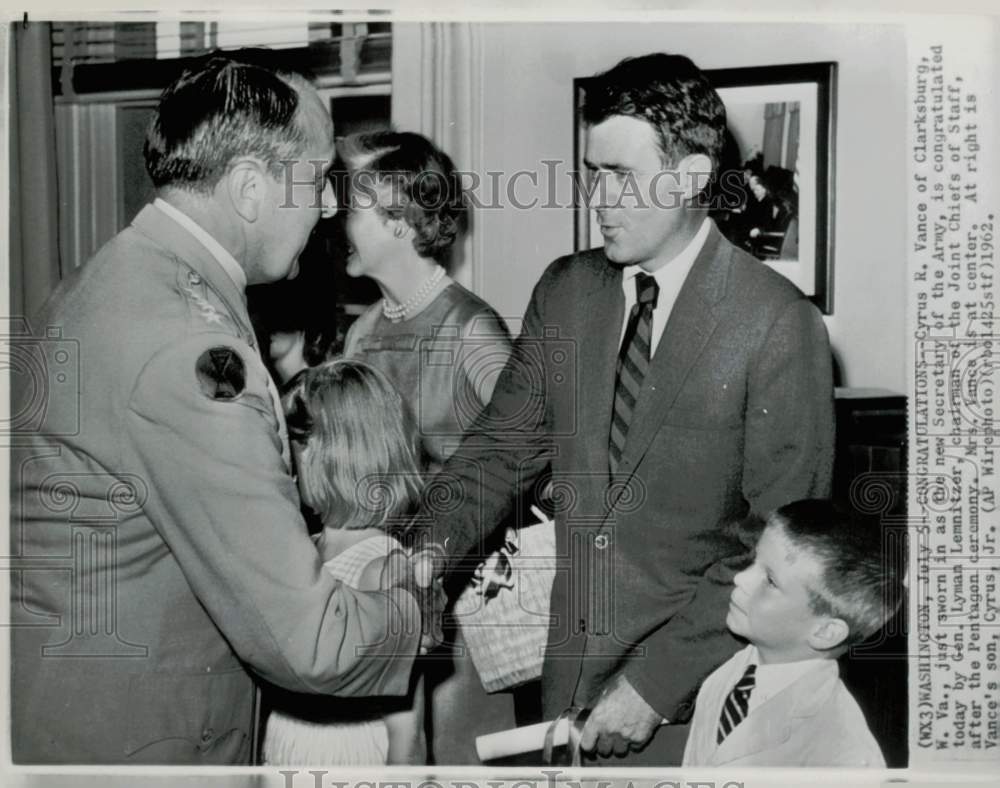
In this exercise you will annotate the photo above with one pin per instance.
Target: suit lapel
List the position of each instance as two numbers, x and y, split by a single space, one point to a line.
771 724
768 727
603 310
691 325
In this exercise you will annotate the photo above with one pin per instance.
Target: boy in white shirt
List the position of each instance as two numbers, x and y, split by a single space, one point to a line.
819 584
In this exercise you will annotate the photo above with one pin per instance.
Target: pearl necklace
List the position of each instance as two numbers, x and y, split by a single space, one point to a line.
396 312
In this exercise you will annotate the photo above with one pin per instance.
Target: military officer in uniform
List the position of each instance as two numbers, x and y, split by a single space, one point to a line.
168 558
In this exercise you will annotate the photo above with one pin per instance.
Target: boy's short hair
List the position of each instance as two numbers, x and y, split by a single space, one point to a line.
859 583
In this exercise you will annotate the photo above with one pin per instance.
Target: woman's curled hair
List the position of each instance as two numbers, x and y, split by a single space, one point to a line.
424 188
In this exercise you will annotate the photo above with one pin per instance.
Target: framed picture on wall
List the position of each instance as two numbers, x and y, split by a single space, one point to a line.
773 195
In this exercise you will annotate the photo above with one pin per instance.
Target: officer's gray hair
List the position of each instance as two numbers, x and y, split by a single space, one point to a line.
225 110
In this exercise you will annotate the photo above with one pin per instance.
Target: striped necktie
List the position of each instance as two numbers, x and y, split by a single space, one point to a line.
633 363
734 710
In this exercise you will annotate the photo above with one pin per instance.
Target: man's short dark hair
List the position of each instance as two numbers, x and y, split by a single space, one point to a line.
219 112
860 582
671 94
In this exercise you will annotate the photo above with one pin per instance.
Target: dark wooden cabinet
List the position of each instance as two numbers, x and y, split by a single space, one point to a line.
870 463
870 478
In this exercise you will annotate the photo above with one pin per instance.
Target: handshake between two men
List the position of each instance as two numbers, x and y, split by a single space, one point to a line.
419 575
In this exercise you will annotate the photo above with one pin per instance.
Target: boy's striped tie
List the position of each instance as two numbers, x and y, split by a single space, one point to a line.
735 707
633 363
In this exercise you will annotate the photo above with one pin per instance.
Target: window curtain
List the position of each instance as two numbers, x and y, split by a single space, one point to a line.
774 134
34 224
792 152
87 151
437 90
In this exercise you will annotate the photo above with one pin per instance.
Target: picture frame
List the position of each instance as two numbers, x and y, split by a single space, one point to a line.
774 194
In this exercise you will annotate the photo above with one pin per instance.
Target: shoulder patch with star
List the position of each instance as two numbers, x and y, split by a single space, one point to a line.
221 372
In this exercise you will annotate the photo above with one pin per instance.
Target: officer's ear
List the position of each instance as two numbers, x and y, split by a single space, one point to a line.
245 187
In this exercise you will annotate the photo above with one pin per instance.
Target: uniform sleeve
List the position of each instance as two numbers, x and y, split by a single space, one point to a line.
200 427
788 455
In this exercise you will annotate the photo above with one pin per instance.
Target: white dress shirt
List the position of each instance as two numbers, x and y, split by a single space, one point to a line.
217 250
670 278
769 680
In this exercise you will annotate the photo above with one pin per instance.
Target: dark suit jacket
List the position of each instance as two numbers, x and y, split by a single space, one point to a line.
159 550
736 416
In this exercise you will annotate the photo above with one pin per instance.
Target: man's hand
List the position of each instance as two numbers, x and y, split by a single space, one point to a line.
415 575
621 720
428 565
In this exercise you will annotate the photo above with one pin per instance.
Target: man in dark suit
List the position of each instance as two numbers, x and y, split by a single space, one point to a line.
674 386
160 554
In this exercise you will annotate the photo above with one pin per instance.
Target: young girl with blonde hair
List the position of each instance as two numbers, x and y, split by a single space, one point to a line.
357 463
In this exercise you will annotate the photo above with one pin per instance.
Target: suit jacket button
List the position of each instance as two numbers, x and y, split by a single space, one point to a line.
207 735
601 541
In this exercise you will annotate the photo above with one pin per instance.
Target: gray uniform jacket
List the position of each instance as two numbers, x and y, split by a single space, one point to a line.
159 550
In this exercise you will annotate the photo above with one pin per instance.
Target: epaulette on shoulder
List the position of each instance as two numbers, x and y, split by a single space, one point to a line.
194 289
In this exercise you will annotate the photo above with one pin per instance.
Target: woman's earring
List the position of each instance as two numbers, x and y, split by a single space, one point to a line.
399 230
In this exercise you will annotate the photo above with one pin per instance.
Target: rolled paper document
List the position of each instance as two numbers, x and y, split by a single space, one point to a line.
540 515
517 741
